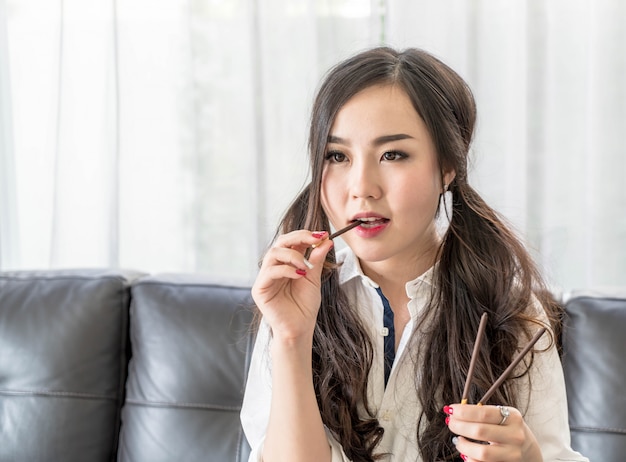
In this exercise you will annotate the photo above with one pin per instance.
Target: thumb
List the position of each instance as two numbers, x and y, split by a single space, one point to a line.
318 255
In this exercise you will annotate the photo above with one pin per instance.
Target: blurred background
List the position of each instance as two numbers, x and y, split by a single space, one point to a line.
170 135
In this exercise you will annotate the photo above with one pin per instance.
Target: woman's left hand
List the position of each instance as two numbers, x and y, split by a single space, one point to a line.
484 434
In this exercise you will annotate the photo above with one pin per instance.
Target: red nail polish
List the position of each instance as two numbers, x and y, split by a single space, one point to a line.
319 234
463 456
301 272
448 420
448 410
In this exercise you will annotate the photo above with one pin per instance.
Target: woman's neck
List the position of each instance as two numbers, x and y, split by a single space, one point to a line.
393 274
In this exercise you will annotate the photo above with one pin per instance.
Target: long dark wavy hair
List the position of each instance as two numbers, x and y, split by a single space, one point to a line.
482 267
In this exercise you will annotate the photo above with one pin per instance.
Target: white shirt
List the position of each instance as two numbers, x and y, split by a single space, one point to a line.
396 406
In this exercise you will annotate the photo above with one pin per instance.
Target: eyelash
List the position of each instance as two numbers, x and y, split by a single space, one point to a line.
332 156
397 155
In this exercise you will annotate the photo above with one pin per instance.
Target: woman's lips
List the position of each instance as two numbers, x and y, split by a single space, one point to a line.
371 226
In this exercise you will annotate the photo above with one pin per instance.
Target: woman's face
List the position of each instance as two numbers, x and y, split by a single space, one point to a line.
381 166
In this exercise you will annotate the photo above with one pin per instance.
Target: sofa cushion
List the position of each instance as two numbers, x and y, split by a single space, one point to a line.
191 343
594 362
62 364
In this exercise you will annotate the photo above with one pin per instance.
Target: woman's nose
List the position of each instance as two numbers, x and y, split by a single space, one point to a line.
364 181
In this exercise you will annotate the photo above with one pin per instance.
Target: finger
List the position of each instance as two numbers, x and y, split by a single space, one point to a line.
277 273
474 451
300 239
310 255
318 254
476 424
272 279
492 415
281 256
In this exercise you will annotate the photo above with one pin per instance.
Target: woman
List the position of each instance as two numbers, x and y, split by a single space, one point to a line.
362 354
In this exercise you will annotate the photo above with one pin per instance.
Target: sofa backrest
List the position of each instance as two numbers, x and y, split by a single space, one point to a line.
62 364
191 344
594 363
65 342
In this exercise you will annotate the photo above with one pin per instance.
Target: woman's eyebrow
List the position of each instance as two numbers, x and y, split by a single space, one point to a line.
388 138
376 142
336 140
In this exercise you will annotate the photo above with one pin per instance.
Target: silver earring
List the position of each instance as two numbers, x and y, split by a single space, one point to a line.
444 211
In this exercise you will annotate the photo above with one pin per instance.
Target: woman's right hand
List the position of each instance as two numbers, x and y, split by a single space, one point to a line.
287 290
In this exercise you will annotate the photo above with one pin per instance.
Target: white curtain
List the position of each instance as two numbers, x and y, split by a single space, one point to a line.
550 151
8 221
170 135
162 135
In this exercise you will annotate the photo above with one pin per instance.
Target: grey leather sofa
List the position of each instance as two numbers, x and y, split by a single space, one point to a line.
108 365
104 366
594 362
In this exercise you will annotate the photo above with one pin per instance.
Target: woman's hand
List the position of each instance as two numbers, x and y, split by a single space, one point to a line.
484 434
288 287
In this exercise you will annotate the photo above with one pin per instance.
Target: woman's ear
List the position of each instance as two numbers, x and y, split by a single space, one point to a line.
447 178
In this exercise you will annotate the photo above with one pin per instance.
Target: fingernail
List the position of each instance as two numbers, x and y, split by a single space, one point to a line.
463 456
301 272
448 410
308 263
455 440
448 420
319 234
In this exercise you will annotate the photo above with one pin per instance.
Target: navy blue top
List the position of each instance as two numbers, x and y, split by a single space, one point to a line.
390 338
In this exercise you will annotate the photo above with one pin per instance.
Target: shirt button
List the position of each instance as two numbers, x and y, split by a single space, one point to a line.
386 416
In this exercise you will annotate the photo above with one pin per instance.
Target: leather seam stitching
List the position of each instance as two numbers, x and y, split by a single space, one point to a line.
63 394
215 407
599 429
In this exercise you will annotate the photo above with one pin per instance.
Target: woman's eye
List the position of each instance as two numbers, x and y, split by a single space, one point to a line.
336 156
394 155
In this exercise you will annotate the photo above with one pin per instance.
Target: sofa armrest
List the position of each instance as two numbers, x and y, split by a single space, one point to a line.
594 363
62 363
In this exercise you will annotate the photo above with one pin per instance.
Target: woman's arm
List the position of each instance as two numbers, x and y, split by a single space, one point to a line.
295 430
256 408
288 293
